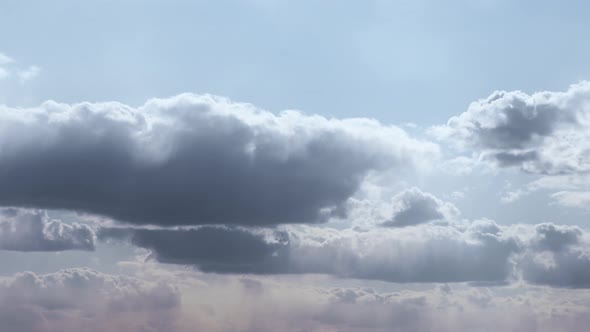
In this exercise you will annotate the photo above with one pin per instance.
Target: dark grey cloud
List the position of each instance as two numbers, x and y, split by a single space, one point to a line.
212 249
413 207
423 254
33 230
560 257
544 133
569 269
192 160
556 238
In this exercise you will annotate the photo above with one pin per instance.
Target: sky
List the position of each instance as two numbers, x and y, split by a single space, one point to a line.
282 165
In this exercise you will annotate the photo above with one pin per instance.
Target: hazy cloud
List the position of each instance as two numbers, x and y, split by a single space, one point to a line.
71 299
579 199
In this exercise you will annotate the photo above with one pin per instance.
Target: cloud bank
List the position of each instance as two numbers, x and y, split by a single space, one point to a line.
480 252
83 299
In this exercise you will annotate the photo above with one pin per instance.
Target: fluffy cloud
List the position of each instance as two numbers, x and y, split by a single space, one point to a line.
71 299
193 160
412 207
545 133
32 230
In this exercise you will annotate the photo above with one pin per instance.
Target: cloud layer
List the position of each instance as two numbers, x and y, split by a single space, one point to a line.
83 299
477 252
71 299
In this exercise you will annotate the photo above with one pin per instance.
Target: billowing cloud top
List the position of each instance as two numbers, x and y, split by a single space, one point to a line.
192 159
546 132
32 230
413 206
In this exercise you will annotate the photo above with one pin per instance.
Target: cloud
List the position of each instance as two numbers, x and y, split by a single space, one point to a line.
5 59
431 253
3 73
480 252
160 299
9 67
215 249
412 207
157 298
561 258
543 133
28 74
71 299
192 160
579 199
32 230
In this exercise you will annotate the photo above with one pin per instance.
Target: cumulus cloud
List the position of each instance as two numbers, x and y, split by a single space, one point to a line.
33 230
544 133
193 160
412 207
560 257
71 299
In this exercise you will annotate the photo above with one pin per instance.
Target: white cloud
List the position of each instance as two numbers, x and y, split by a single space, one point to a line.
4 59
32 230
579 199
3 73
28 74
542 133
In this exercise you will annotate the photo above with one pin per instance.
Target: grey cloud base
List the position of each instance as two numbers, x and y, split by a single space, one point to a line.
481 252
192 160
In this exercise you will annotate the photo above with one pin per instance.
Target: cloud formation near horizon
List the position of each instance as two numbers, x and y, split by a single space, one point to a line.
84 299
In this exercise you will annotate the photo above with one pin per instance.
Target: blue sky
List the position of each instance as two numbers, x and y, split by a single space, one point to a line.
397 61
